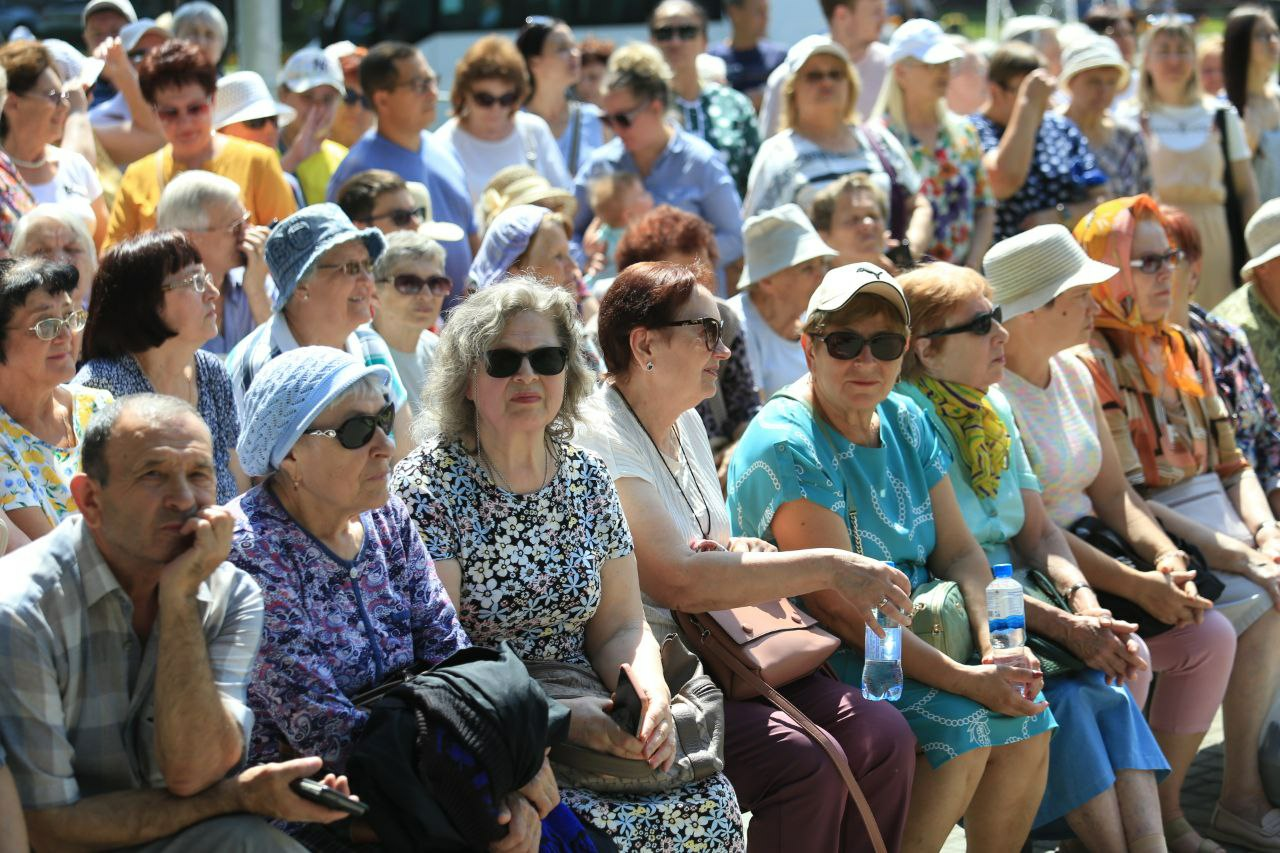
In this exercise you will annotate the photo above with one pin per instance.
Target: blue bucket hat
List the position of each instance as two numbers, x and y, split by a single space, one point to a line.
298 242
506 240
288 394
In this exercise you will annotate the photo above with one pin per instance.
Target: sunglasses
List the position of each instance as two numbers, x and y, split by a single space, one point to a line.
412 285
351 268
835 75
260 123
403 216
197 281
357 431
711 327
846 346
979 325
169 115
50 327
1152 264
684 32
352 97
622 121
486 99
544 361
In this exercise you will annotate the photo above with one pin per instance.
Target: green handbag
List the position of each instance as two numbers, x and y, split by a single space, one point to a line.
939 617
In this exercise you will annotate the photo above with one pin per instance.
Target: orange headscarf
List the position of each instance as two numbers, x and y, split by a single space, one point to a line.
1159 348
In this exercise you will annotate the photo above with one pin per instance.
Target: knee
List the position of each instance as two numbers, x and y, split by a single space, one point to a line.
878 736
1034 751
1218 639
246 834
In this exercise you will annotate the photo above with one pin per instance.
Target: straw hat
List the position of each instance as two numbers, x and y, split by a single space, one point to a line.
843 283
1031 268
1095 52
1262 235
776 240
243 96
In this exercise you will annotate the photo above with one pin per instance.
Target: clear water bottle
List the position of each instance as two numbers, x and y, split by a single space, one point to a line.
882 670
1006 619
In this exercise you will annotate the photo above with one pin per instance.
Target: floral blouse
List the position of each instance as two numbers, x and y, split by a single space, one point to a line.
1124 159
726 119
333 627
15 200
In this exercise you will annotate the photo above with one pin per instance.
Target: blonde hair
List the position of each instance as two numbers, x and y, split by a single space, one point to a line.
607 192
932 290
1146 86
789 115
640 69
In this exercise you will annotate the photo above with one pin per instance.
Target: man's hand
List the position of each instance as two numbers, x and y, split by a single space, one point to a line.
1037 87
264 790
307 141
542 791
210 531
524 828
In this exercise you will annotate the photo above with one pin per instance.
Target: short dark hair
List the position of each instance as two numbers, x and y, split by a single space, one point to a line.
596 50
153 407
174 64
358 196
20 277
645 295
124 308
378 68
23 61
1012 60
532 37
829 7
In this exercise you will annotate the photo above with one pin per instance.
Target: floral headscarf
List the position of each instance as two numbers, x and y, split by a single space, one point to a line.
1159 347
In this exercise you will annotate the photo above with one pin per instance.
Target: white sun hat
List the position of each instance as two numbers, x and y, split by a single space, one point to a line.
1029 269
76 70
776 240
1262 235
243 96
1096 52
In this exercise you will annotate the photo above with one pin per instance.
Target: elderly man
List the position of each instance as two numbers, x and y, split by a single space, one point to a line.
207 208
1256 306
126 641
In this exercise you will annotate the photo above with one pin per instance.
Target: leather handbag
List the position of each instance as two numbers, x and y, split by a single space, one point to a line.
1054 658
697 707
939 617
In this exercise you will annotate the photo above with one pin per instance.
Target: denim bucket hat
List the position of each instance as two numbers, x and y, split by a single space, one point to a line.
299 241
505 241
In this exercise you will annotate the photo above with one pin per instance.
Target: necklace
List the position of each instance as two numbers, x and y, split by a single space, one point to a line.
30 164
697 516
500 480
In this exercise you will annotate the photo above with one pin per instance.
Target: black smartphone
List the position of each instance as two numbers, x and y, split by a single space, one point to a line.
901 256
310 789
626 704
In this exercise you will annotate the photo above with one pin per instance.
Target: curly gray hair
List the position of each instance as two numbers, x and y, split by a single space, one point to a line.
473 328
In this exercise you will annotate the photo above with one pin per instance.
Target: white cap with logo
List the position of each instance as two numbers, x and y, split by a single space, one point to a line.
844 283
309 68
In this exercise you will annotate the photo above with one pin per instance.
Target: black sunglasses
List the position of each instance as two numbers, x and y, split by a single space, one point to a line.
685 32
487 99
622 120
980 325
260 123
711 327
357 431
545 361
412 285
352 97
403 217
835 75
846 346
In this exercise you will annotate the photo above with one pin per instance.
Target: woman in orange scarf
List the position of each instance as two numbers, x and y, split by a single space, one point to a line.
1177 446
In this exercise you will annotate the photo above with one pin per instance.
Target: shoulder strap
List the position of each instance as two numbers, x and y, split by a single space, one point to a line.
575 118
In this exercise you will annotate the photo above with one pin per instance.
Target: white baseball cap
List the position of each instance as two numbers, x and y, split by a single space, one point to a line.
243 96
811 46
132 33
311 67
843 283
1029 269
124 7
922 39
75 69
776 240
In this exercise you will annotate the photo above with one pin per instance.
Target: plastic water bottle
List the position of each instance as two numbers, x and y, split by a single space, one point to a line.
1006 619
882 671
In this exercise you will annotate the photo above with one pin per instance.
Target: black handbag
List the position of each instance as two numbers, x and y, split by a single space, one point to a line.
1235 216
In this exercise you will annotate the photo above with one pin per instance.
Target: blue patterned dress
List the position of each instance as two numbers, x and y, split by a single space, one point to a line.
531 575
786 455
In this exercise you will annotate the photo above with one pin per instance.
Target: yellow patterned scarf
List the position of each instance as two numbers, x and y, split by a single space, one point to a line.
977 428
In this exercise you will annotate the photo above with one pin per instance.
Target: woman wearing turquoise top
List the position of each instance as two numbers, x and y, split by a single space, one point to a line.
835 460
1103 762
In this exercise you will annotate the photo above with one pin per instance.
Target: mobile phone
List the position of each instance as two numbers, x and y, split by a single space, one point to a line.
901 256
626 704
310 789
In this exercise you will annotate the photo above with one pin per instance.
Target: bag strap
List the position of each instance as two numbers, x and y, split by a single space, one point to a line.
575 118
815 733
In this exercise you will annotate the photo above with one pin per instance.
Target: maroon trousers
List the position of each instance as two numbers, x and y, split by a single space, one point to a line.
795 794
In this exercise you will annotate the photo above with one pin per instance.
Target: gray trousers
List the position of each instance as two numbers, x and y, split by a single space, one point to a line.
228 834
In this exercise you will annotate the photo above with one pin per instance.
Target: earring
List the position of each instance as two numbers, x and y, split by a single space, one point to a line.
649 366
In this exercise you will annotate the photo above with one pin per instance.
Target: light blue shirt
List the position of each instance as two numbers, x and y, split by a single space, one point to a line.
237 319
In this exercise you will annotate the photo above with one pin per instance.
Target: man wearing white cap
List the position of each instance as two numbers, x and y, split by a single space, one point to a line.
312 84
785 262
125 124
101 20
854 25
245 109
1255 307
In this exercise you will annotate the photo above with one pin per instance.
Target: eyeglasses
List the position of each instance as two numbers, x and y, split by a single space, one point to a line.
846 346
624 120
351 268
487 99
835 75
53 96
357 431
237 228
168 115
684 32
51 327
412 285
544 361
136 56
979 325
1152 264
197 281
420 85
352 97
260 123
403 216
711 327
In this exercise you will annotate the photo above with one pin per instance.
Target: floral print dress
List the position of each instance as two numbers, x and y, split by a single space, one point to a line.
530 567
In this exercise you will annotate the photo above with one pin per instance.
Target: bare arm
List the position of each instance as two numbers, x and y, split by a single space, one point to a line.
1008 163
77 133
958 557
17 536
920 228
1246 187
29 522
1254 508
984 229
140 135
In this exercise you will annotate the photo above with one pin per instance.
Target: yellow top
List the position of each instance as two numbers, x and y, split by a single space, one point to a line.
256 168
315 171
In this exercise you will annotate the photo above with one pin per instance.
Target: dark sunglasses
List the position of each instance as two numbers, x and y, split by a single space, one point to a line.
352 97
545 361
485 99
711 327
1152 264
979 325
357 431
622 120
403 217
846 346
411 285
835 75
260 123
684 32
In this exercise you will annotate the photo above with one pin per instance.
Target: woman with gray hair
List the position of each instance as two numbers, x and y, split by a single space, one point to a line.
530 541
411 286
202 24
57 233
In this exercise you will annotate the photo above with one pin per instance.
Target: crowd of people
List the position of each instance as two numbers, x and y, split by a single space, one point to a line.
301 398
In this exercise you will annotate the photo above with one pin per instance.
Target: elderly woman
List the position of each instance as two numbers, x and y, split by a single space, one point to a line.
56 232
1093 71
554 63
723 117
179 82
41 417
323 269
944 147
202 24
495 491
1171 430
1103 761
677 168
489 130
660 333
411 286
15 198
31 125
154 306
837 460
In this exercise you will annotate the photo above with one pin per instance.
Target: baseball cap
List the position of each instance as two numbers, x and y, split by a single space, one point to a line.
843 283
311 67
923 40
124 7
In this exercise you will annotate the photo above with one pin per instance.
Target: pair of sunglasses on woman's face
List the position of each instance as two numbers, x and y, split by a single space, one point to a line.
357 431
846 346
412 285
544 361
979 325
506 100
1152 264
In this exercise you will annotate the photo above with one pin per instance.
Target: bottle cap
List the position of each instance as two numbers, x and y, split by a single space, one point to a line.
891 564
1002 570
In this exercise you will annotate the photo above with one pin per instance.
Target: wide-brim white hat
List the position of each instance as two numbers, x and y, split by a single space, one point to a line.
843 283
1095 52
1029 269
244 96
1262 236
776 240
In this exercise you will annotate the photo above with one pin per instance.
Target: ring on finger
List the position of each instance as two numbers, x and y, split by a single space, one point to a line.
882 603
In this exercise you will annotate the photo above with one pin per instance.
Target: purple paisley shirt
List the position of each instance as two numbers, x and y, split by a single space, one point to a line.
334 627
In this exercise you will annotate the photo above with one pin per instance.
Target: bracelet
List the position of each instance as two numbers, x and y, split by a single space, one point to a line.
1269 524
1173 553
1071 593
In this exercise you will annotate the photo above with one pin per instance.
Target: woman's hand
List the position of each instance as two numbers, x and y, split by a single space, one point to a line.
1007 689
1104 644
1266 574
591 726
1171 597
541 791
869 585
657 727
1268 539
116 65
750 545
